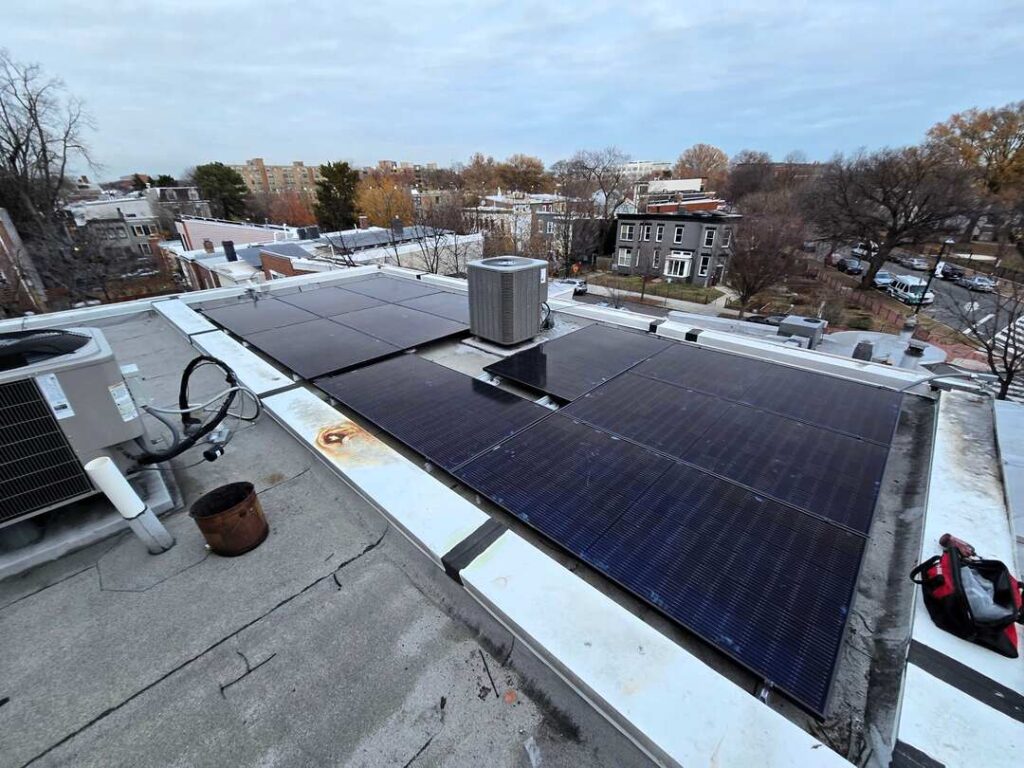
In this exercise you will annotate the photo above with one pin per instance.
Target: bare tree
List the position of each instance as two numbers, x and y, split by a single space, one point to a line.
604 169
894 197
441 225
998 332
41 132
576 233
764 245
704 161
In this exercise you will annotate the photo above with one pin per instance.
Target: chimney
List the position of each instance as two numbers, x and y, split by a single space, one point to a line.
396 226
364 222
229 250
208 245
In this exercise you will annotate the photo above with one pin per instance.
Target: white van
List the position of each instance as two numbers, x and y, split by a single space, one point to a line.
910 289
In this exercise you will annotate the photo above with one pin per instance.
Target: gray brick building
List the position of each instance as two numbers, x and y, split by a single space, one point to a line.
690 247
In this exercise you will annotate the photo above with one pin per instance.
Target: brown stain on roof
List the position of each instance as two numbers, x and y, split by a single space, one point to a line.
348 443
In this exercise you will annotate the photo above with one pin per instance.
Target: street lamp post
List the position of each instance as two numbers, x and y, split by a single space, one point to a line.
931 274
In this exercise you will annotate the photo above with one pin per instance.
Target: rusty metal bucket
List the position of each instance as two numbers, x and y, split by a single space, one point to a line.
231 519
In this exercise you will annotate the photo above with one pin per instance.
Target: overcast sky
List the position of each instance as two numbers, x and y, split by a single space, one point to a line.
182 82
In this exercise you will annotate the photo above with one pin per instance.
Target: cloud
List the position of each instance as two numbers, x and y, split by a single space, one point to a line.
174 84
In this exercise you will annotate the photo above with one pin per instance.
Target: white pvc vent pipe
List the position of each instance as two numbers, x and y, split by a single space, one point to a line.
108 478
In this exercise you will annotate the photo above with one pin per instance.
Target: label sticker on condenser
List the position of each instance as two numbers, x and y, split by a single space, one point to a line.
123 401
54 394
543 274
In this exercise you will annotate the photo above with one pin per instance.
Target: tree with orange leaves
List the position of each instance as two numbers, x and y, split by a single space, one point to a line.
291 208
382 197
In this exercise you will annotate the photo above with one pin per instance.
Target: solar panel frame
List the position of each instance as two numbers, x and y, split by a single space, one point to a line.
391 289
578 496
819 399
331 301
454 306
795 463
254 316
319 347
648 517
401 326
572 365
442 414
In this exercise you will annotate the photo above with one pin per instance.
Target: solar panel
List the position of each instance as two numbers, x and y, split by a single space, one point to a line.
565 478
319 347
401 326
391 288
445 415
651 412
330 301
826 401
767 585
572 365
254 316
829 474
454 306
826 473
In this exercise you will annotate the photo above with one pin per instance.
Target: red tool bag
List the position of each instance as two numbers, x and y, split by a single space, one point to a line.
975 599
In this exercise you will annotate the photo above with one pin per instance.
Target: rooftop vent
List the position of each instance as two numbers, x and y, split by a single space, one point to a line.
810 328
505 297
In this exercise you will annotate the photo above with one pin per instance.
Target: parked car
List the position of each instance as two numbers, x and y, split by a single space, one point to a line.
850 266
883 279
579 287
765 319
918 263
910 289
864 250
951 272
977 283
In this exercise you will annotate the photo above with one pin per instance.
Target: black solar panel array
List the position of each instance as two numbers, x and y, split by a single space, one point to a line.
332 329
443 414
574 364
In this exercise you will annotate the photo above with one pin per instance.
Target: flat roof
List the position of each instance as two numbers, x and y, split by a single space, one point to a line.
678 721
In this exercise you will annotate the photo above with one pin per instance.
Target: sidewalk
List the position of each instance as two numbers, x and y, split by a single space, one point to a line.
714 308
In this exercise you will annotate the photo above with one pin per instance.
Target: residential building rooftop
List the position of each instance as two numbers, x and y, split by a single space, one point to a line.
355 636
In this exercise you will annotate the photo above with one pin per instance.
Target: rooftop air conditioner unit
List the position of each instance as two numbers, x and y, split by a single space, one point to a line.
505 297
810 328
63 402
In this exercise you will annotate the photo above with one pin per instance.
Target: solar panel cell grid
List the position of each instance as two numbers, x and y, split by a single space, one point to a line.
451 305
254 316
565 478
445 415
402 326
574 364
391 288
330 301
767 585
319 347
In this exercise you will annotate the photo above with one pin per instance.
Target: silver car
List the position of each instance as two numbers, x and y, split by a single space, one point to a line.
977 283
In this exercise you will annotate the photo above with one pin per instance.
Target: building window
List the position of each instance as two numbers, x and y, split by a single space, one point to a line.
626 232
551 227
705 262
122 233
659 232
144 250
678 264
625 257
709 237
727 237
656 259
645 232
679 234
141 230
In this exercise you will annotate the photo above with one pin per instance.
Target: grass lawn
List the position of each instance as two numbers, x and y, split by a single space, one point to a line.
681 291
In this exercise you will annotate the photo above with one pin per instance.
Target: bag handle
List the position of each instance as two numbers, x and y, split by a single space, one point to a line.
920 569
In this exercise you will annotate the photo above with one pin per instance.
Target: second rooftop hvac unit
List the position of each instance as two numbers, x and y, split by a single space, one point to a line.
63 402
505 297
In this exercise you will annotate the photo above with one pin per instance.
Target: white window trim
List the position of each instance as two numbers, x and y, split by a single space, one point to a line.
656 259
678 237
710 231
727 237
659 233
645 233
684 260
705 265
622 232
628 254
